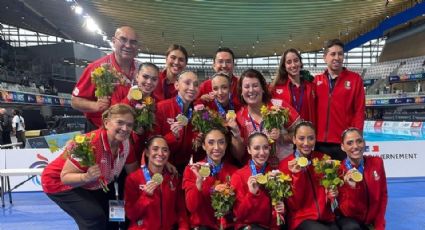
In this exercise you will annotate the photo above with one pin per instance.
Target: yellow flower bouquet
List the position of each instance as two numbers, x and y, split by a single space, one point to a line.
81 149
274 118
278 186
105 78
145 110
330 177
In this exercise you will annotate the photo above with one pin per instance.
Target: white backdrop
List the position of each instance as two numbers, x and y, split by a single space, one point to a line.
26 158
401 159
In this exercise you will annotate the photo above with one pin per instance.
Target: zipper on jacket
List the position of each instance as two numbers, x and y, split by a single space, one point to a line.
314 194
327 117
330 92
367 199
160 206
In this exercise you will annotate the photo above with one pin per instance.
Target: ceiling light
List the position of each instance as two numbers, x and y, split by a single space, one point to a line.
78 9
91 25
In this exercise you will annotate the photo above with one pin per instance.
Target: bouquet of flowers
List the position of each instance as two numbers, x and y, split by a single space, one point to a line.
278 186
274 117
81 149
105 77
329 171
204 119
145 110
222 200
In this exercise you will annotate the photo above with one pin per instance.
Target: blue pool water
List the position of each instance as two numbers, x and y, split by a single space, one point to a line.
408 136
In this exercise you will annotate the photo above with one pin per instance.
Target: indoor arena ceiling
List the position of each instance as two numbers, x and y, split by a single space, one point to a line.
250 28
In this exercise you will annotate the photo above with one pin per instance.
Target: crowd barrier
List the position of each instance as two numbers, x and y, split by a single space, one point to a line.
401 158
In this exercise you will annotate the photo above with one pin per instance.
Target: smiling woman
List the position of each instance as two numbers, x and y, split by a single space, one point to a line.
153 196
86 189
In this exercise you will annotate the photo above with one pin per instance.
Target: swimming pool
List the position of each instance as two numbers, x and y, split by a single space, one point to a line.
379 136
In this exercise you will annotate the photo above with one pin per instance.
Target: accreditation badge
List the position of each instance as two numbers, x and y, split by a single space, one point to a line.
116 211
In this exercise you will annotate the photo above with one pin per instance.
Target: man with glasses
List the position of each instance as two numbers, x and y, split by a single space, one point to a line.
125 47
224 62
340 101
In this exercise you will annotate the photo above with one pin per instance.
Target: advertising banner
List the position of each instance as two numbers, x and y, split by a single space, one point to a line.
30 98
24 159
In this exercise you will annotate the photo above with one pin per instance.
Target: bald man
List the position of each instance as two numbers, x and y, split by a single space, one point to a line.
125 45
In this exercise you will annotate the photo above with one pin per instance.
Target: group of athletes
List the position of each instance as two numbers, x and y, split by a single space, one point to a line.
162 186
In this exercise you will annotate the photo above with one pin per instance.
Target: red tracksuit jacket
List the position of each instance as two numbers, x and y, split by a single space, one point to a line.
308 201
282 92
341 109
180 148
162 210
85 88
366 202
199 202
163 90
206 87
248 208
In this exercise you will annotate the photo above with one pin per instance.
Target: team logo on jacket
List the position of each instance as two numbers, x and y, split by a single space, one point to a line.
319 83
376 175
279 91
76 91
347 84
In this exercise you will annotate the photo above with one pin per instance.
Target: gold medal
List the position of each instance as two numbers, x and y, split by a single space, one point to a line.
182 119
231 114
204 171
356 176
302 161
136 94
261 178
158 178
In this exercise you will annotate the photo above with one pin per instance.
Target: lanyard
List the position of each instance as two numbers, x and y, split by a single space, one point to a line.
255 126
349 166
116 187
331 85
254 170
294 98
215 168
179 101
131 74
146 173
220 107
164 86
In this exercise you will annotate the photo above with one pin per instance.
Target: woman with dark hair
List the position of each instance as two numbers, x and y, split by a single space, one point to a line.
364 196
222 101
175 63
198 188
253 94
294 85
153 196
146 81
308 207
77 188
253 208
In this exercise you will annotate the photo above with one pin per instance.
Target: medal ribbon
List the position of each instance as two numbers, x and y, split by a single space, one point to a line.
349 166
180 103
146 173
254 170
215 169
294 98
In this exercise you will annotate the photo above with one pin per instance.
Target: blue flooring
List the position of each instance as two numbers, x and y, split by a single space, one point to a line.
35 211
